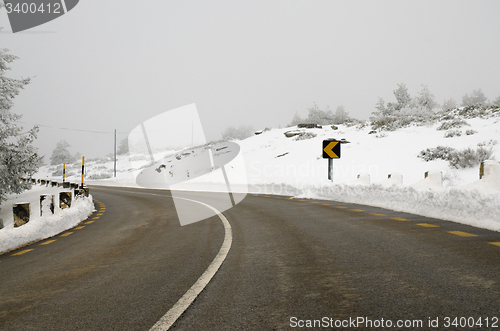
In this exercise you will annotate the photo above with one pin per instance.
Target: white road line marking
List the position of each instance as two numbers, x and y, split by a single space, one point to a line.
185 301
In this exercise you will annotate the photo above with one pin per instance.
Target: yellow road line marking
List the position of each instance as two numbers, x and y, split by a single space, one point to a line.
462 234
340 207
89 222
99 214
80 227
496 243
377 214
95 218
326 204
48 242
22 252
399 219
427 225
66 234
356 210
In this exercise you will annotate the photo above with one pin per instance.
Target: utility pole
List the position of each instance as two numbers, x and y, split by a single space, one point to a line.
115 155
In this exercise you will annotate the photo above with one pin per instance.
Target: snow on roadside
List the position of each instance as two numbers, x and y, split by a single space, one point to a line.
39 228
275 164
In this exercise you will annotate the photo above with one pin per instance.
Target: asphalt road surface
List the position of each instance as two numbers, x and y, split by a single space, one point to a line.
292 264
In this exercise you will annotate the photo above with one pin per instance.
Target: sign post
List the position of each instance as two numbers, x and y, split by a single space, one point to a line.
331 150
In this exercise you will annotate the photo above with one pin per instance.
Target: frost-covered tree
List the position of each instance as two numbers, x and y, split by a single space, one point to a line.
60 154
122 147
496 102
402 96
477 97
18 156
381 108
317 116
240 133
449 104
424 100
296 120
341 115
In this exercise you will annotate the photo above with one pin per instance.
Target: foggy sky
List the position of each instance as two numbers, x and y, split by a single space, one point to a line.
113 64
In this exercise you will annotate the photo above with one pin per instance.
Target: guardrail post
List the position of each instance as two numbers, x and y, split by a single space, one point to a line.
81 192
65 199
46 204
21 213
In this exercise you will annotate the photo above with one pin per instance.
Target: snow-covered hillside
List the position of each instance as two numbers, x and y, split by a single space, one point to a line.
276 164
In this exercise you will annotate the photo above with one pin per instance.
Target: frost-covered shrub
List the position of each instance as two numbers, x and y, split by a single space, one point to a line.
437 153
465 158
362 125
470 132
454 123
453 133
305 136
100 176
490 142
468 158
394 122
381 135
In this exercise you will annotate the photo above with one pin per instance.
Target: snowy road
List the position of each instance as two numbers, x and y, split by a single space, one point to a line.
291 261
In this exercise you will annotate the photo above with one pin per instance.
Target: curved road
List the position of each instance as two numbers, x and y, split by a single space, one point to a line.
291 262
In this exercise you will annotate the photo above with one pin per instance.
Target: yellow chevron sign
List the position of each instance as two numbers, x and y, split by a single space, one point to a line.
331 149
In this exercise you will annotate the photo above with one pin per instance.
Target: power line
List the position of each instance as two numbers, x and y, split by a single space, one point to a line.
73 129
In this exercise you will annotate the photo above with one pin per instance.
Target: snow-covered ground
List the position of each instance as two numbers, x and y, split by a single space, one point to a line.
275 164
40 227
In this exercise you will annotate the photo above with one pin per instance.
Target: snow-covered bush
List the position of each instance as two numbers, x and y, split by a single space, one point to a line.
454 123
437 153
100 176
470 132
468 158
465 158
453 133
304 136
490 142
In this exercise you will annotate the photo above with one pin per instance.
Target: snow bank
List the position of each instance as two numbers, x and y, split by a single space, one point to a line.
476 204
39 228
